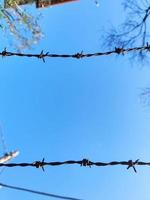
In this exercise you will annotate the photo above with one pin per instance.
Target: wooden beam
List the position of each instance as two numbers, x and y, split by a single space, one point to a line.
46 3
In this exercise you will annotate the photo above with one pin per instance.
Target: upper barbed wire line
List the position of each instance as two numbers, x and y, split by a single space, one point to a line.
79 55
84 162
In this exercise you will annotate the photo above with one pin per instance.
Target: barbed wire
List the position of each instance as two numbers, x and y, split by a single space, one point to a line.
37 192
84 163
43 56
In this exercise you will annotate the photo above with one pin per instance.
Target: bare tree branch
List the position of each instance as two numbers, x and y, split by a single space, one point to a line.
21 26
134 30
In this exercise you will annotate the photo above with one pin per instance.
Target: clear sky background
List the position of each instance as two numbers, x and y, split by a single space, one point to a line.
73 109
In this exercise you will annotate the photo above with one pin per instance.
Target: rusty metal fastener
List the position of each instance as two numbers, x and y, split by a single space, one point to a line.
119 50
39 164
79 55
132 164
86 162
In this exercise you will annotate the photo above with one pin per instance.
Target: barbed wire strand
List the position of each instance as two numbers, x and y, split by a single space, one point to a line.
84 162
43 56
37 192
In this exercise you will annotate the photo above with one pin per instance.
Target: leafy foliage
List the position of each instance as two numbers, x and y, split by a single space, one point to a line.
21 26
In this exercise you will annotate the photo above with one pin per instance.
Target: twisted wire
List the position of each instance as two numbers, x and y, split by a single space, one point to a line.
84 163
43 56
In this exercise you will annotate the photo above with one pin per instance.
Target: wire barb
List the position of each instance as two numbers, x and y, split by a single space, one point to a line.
79 55
39 164
147 46
132 164
4 53
119 50
42 56
86 163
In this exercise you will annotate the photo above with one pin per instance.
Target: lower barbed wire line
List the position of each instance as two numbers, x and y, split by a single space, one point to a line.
79 55
38 192
84 162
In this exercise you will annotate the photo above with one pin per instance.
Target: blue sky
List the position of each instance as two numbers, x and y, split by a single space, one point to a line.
73 109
